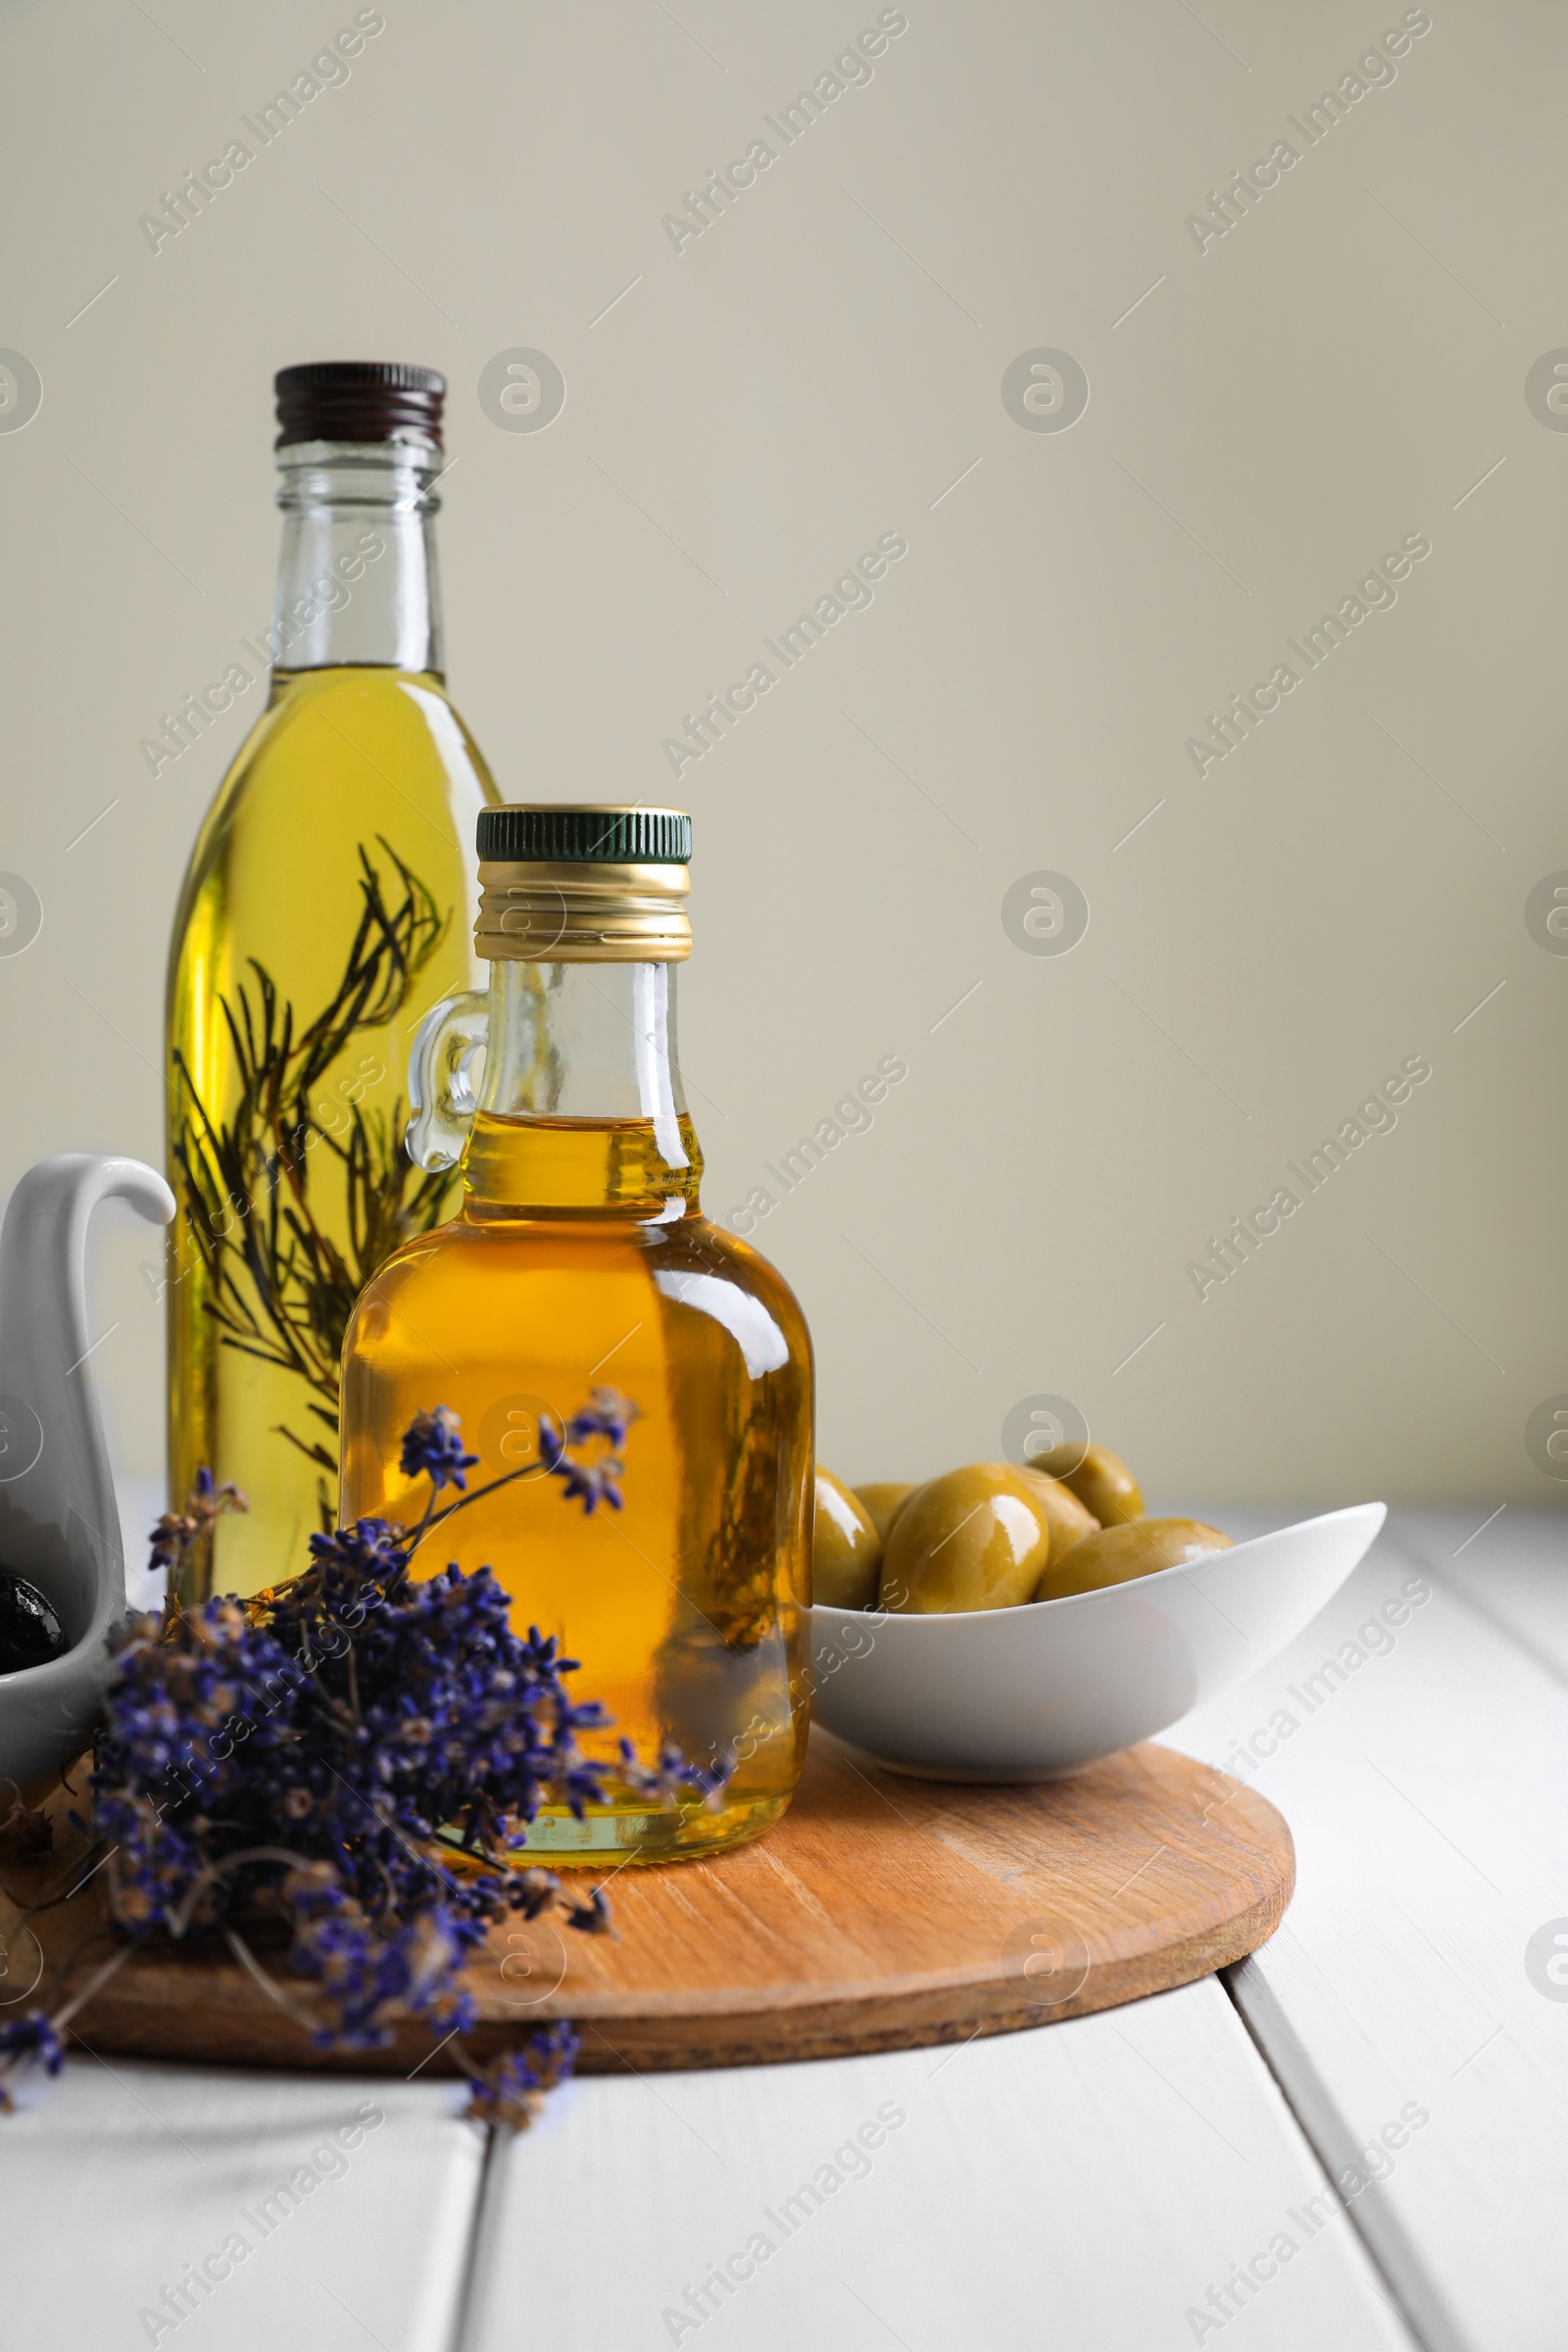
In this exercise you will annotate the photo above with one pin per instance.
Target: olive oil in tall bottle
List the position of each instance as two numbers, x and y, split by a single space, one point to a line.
327 907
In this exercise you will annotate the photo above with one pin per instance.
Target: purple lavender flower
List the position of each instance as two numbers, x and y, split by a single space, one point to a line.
177 1534
592 1482
29 2052
509 2091
369 1552
590 1918
606 1414
432 1448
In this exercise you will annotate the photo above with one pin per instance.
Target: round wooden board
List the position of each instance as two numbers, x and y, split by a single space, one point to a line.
880 1913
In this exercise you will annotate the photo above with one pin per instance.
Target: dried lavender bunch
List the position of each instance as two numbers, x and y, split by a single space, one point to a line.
355 1755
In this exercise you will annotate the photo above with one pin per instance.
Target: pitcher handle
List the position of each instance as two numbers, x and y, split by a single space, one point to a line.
442 1089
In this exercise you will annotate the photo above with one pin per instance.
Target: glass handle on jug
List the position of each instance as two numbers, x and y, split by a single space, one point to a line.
442 1089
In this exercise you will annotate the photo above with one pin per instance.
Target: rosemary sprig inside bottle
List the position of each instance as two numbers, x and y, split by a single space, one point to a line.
279 1286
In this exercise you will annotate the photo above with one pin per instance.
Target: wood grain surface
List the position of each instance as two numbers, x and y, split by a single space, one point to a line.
880 1914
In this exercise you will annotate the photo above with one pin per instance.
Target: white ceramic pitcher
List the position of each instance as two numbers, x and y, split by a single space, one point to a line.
59 1520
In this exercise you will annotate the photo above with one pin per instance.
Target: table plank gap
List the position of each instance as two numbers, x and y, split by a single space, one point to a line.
1421 1757
301 2209
1095 2182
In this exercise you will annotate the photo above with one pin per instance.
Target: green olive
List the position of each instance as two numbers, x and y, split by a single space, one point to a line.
1100 1479
1137 1547
845 1549
1068 1520
975 1539
882 1504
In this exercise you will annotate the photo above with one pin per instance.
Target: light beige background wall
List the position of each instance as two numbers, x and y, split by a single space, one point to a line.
1345 366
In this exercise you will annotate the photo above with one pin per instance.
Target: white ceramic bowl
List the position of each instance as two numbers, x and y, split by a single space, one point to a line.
1034 1693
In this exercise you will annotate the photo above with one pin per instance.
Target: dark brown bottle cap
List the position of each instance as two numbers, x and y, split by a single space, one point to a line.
359 400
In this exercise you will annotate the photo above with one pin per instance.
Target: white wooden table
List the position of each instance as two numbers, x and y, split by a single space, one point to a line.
1161 2175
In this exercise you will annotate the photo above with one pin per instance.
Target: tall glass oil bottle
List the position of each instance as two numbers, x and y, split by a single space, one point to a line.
325 909
580 1259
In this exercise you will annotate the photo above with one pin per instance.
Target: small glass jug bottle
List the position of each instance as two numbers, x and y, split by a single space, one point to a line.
581 1259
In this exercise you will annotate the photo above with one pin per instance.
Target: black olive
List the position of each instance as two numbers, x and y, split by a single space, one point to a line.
30 1634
